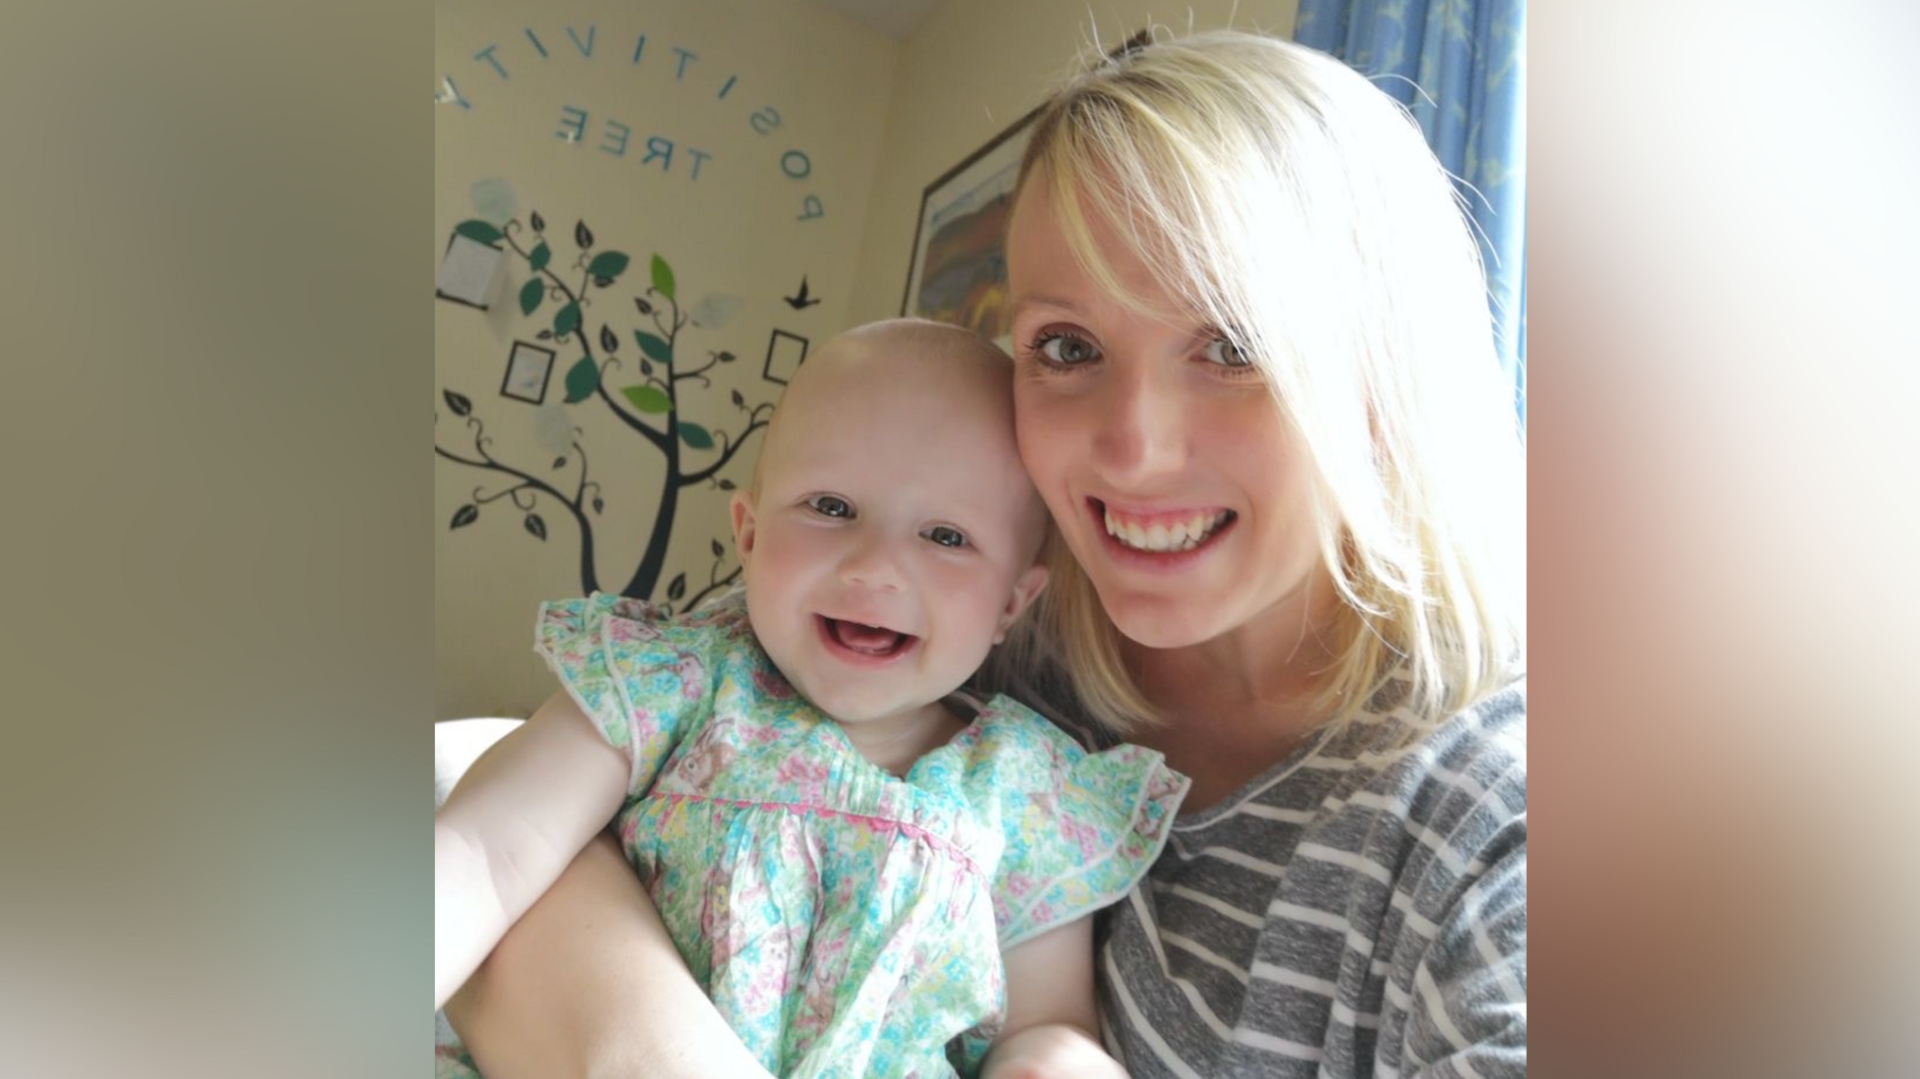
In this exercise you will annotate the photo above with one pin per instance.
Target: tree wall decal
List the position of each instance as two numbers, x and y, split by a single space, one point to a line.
650 407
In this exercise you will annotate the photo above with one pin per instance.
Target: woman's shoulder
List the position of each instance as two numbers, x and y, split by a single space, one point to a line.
1460 783
1479 749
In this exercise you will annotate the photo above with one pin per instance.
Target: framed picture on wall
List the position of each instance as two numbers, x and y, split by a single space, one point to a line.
959 268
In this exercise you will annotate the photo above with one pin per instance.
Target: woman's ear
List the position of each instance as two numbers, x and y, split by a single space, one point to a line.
1026 589
742 508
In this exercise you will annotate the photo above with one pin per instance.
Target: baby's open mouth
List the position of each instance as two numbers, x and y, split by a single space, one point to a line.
876 641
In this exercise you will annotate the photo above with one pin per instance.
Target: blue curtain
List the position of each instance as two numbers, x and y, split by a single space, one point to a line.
1460 66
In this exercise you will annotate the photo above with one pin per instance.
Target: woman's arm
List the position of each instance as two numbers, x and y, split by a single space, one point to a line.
1051 1018
1468 1015
587 985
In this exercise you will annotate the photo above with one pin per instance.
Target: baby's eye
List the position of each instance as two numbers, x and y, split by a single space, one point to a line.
1067 350
1226 353
946 537
830 506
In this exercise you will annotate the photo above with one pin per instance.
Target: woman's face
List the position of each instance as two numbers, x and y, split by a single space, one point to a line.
1173 476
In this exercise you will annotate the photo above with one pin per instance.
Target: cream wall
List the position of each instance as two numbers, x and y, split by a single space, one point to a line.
735 230
975 67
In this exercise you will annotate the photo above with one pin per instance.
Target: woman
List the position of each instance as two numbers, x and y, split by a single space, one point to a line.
1256 386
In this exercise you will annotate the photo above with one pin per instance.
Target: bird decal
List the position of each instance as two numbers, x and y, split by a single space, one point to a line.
802 300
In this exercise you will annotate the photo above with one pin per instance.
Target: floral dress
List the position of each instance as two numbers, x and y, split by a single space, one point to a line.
846 923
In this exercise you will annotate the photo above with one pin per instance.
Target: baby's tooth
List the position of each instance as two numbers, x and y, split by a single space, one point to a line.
1135 537
1157 538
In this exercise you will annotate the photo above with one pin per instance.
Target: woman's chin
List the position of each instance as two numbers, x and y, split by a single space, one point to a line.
1160 621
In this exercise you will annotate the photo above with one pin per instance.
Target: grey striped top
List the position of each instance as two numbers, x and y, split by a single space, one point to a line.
1357 911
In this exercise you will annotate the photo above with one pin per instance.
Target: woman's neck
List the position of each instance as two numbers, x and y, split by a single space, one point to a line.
1240 703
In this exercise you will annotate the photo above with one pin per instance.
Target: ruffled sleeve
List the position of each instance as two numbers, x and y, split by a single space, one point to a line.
1080 829
644 678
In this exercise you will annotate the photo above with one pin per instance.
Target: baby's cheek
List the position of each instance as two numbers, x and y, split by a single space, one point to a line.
975 600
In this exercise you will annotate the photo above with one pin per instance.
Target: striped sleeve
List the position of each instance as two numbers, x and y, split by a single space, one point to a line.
1467 1016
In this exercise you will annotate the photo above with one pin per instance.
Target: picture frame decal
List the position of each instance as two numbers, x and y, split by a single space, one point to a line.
785 353
529 369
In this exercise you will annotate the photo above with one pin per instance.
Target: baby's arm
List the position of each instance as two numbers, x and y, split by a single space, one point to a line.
1051 1017
519 815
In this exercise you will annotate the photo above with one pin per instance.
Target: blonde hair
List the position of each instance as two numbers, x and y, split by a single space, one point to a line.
1296 207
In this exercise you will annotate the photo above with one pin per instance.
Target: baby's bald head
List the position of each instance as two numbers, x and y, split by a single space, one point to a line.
886 359
851 386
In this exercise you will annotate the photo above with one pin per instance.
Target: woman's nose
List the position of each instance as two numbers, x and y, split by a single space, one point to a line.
873 564
1142 426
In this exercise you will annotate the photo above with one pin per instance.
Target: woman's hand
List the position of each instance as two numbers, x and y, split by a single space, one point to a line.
588 986
1051 1051
1050 1011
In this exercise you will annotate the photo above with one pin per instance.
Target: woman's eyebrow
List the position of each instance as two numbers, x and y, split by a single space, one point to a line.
1056 302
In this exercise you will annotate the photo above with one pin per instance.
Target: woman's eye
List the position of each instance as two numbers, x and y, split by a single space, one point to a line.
1226 353
830 506
1067 350
946 537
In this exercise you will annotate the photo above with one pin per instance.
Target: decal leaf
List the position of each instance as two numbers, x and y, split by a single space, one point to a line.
531 295
609 341
582 235
539 257
648 399
678 588
696 436
654 347
608 264
464 516
539 223
582 379
478 231
662 277
567 320
536 526
460 405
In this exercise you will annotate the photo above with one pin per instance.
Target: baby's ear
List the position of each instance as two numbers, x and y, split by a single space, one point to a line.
1026 588
742 508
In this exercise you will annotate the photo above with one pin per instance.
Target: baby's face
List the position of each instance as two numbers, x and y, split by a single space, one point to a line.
893 536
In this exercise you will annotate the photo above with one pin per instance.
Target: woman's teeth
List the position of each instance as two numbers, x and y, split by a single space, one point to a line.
1165 536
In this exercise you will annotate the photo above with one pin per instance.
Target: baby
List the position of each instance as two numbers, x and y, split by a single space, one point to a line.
870 875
